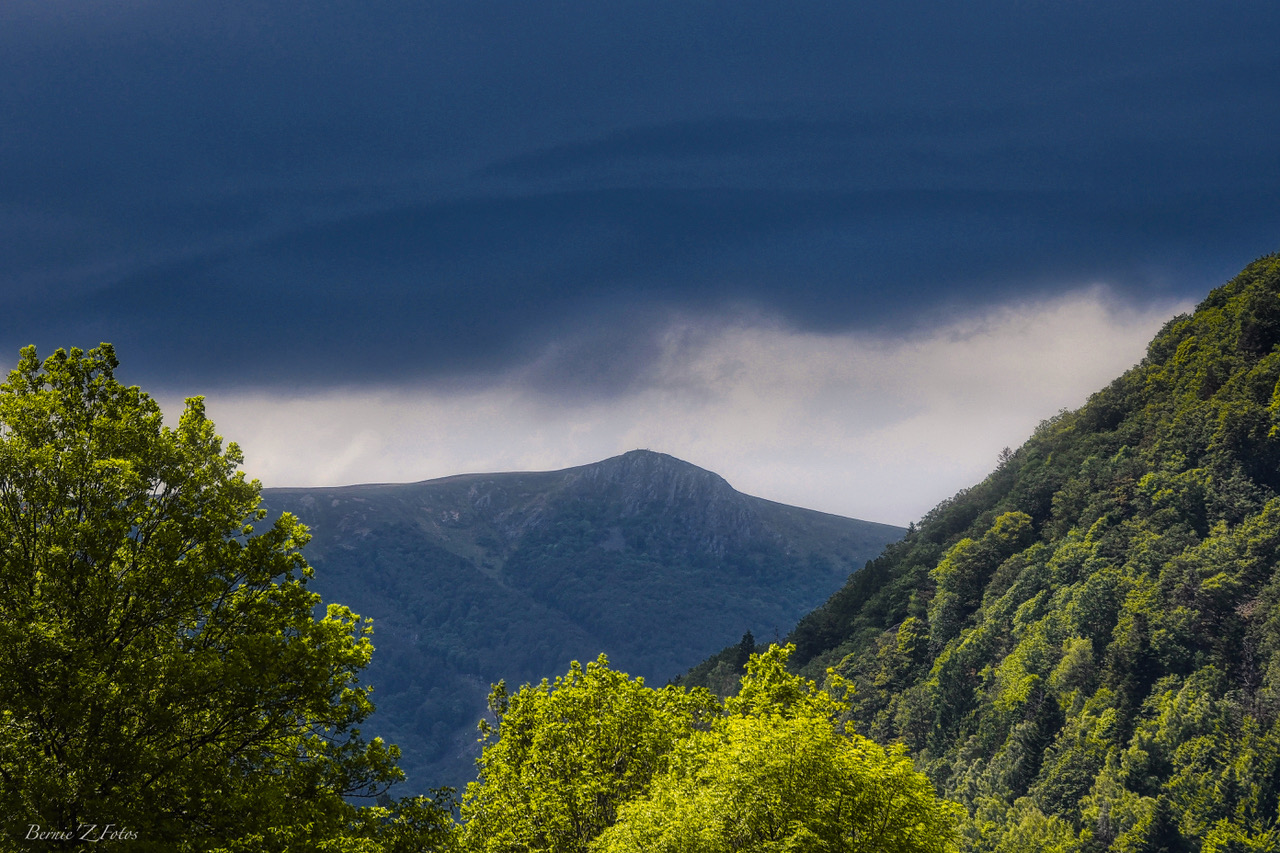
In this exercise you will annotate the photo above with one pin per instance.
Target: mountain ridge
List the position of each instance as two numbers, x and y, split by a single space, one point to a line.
473 578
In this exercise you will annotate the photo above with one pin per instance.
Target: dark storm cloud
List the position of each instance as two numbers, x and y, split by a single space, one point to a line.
356 191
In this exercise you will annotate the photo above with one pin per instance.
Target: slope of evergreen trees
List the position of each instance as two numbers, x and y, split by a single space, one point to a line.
1084 649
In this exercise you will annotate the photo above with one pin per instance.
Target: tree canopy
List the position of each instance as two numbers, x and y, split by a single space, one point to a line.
163 675
599 762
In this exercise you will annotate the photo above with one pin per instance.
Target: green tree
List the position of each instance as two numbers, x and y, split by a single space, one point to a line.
599 762
745 650
777 773
162 673
564 756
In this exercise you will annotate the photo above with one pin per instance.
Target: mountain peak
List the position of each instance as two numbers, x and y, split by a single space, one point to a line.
650 484
650 467
478 577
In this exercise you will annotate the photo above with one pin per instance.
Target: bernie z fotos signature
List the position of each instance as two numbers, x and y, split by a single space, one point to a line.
92 832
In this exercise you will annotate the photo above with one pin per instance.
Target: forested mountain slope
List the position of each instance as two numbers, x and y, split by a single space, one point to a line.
475 578
1084 649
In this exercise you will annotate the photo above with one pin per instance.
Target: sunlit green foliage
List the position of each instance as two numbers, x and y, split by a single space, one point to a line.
599 762
776 772
162 671
1084 649
564 756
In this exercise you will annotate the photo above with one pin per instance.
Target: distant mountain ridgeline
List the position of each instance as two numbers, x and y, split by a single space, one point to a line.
480 577
1084 649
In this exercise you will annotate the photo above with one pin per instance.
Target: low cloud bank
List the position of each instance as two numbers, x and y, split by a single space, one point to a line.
865 426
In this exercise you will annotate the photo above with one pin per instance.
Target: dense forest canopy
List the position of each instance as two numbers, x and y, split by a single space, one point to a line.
1084 649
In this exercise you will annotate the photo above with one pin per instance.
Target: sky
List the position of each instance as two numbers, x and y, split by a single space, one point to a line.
841 253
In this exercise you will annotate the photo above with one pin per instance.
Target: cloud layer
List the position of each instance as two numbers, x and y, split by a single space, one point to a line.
261 193
833 250
870 426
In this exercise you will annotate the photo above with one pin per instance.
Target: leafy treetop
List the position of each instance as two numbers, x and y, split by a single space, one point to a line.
161 669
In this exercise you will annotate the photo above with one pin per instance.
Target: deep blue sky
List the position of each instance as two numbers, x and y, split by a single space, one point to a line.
289 196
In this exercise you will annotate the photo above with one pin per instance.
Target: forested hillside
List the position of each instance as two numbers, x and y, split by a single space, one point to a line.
475 578
1084 649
